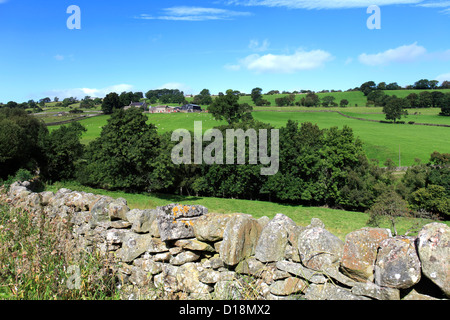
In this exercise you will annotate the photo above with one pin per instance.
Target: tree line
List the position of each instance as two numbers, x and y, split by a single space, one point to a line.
394 107
317 167
311 99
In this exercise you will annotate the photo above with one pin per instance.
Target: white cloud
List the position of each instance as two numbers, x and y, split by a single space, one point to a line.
441 4
256 46
93 92
59 57
185 13
407 53
321 4
270 63
443 77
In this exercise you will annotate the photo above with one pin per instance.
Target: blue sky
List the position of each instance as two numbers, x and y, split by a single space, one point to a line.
221 44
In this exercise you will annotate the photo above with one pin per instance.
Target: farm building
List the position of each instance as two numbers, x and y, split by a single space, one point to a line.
167 109
142 105
161 109
190 108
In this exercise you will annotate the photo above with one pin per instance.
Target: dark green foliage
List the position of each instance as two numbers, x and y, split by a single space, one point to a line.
204 98
300 178
320 167
328 101
426 84
432 199
393 86
256 95
126 98
226 107
68 101
63 150
368 87
364 183
21 142
311 100
25 143
395 108
86 103
377 97
111 102
288 100
165 96
440 159
343 103
123 157
445 108
413 100
234 181
340 153
427 186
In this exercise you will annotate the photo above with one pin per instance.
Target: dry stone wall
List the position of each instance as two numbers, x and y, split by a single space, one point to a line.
185 252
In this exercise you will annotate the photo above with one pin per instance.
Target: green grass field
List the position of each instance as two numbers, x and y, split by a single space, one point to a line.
381 141
405 93
415 115
93 126
355 98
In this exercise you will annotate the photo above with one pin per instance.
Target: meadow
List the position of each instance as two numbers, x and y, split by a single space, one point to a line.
355 98
381 140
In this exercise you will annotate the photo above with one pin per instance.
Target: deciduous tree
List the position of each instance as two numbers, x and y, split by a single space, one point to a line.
226 107
111 102
395 108
123 157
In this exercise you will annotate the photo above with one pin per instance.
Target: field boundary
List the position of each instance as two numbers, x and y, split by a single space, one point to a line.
72 120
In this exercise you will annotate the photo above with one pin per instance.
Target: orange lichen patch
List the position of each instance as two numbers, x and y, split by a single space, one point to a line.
186 223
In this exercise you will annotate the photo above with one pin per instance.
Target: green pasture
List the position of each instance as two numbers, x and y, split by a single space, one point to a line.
414 115
354 98
381 141
405 93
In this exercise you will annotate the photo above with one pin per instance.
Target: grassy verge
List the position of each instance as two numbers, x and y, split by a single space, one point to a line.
39 262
